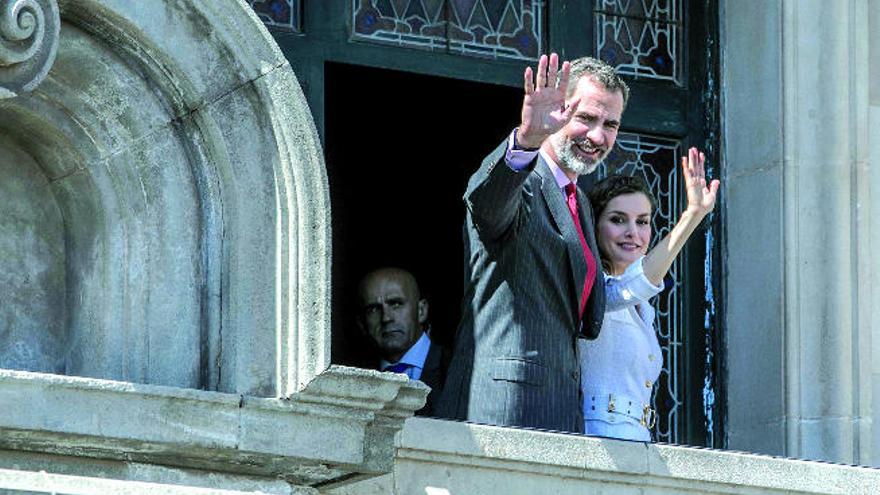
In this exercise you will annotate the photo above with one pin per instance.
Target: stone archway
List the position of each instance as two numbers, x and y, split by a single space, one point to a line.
167 181
165 221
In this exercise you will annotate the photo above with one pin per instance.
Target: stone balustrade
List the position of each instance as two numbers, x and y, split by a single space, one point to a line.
341 425
447 458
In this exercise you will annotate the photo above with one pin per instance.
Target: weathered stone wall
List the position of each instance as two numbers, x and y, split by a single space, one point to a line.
32 266
165 213
164 220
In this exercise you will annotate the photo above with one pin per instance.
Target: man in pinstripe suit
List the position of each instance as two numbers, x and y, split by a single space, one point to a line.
534 278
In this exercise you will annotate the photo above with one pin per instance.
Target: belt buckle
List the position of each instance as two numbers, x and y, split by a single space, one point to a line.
649 417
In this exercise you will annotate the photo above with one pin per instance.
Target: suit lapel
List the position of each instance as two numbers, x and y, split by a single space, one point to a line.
431 368
556 203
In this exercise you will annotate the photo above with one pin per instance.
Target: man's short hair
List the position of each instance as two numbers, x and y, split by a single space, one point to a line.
598 71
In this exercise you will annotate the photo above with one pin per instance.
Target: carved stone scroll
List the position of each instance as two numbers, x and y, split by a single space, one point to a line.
28 43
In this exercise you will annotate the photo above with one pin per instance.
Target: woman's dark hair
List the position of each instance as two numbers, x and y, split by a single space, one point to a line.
615 185
611 187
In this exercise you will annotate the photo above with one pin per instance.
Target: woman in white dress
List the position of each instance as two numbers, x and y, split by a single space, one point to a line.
620 367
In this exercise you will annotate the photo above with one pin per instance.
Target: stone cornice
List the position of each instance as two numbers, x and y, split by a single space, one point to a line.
28 42
342 425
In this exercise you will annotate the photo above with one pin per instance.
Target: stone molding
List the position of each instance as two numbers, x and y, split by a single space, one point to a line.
445 457
28 43
14 482
342 425
174 140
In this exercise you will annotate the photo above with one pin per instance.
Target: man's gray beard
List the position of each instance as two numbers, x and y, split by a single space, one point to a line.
567 158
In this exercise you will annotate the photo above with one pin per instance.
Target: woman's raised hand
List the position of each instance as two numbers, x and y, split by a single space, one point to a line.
700 197
700 201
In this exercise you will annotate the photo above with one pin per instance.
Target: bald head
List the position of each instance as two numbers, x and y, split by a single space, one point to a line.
392 312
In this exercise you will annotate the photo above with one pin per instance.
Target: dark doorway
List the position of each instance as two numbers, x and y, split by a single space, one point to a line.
400 148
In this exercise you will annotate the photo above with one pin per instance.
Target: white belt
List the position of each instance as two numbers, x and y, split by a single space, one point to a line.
615 408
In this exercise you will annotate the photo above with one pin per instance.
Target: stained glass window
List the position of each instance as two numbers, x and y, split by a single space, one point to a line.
279 13
511 29
642 38
656 160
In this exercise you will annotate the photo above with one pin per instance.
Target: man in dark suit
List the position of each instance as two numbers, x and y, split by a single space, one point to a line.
394 316
534 276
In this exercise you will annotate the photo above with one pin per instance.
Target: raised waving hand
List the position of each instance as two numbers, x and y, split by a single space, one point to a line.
544 110
700 197
700 201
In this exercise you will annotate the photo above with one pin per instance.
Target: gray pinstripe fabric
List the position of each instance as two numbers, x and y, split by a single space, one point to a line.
434 376
515 360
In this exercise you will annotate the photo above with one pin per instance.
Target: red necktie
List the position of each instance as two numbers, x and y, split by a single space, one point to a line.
571 199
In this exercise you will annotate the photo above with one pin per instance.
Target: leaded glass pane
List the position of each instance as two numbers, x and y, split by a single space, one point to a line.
642 38
278 13
656 160
510 29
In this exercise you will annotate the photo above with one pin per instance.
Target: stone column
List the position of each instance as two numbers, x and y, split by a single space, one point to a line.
825 202
799 206
874 225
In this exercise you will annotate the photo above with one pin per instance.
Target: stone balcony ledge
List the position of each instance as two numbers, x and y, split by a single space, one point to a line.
448 458
341 425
